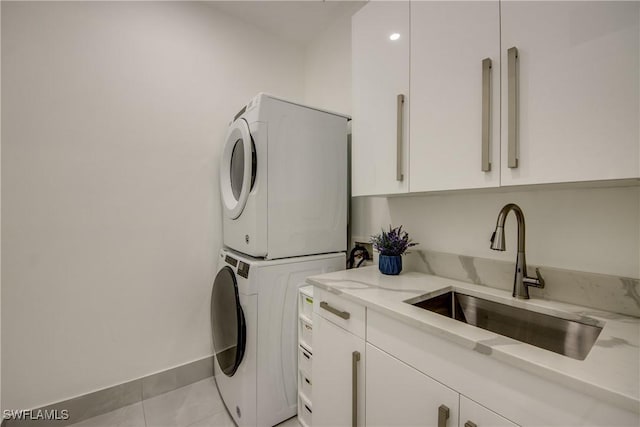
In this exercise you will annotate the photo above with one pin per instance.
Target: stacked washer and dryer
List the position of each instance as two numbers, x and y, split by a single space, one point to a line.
283 185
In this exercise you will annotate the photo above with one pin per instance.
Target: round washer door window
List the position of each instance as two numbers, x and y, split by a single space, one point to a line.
227 322
238 168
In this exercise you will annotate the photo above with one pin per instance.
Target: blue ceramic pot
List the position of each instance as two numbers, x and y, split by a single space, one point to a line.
390 264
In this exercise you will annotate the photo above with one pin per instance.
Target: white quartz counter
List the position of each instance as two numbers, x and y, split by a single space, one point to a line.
611 370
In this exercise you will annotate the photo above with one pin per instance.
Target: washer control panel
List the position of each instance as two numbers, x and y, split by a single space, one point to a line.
243 270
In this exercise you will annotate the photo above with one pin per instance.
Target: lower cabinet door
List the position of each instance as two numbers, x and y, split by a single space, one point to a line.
338 375
399 395
473 414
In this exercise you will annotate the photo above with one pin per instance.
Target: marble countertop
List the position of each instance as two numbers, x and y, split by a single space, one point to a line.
611 370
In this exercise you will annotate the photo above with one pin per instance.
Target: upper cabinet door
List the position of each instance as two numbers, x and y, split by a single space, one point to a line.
455 102
380 67
570 99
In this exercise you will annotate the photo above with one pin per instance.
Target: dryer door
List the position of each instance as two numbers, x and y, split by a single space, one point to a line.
238 168
227 322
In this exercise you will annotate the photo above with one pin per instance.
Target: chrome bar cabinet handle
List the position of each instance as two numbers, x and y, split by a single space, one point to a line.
400 114
486 113
342 314
512 93
355 358
443 415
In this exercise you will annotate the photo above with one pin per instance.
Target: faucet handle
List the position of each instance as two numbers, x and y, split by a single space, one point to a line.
539 276
537 282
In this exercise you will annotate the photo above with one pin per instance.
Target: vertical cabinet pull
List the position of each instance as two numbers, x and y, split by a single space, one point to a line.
512 92
400 113
486 113
355 358
443 415
470 424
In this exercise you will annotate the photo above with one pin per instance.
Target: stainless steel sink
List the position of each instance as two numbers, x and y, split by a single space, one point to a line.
563 336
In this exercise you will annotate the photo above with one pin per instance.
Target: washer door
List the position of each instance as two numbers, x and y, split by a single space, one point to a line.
227 322
238 168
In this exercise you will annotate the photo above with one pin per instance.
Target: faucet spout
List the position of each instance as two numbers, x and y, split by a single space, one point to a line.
521 281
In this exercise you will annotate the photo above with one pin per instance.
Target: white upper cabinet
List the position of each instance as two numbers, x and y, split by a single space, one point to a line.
560 103
380 67
575 91
455 95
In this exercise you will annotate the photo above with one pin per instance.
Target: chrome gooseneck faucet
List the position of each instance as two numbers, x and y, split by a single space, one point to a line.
521 281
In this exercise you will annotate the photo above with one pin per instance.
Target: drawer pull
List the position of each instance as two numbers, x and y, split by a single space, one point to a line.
308 409
342 314
443 415
306 355
309 382
470 424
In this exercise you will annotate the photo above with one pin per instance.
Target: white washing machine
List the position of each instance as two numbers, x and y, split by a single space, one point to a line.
254 328
283 180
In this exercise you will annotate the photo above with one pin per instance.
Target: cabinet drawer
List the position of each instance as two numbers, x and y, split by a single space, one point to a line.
344 313
304 411
305 359
304 385
305 301
305 333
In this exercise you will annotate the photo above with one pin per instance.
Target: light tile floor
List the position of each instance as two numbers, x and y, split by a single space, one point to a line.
196 405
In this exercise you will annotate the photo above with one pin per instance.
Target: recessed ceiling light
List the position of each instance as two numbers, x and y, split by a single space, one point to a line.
394 36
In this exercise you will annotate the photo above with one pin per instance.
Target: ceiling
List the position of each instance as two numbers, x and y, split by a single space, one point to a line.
297 21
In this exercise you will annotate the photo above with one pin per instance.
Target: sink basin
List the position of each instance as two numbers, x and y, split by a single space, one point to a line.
563 336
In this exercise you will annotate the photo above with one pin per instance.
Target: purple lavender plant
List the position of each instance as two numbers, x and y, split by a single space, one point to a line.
394 242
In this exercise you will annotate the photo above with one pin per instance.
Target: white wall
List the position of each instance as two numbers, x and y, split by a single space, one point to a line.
595 230
328 67
114 114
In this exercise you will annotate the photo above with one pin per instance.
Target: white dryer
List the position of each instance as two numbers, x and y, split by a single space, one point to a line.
283 180
254 328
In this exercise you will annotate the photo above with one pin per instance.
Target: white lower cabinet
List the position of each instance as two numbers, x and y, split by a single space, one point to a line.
492 393
373 370
399 395
338 375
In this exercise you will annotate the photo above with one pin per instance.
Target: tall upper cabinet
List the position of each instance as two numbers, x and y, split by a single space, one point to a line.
380 85
570 91
502 93
455 95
